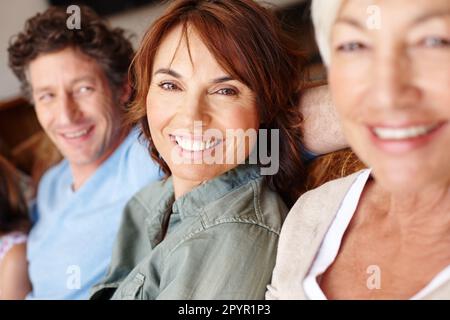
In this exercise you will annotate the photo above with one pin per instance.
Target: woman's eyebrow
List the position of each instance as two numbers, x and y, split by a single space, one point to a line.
431 15
169 72
420 19
351 21
222 79
178 76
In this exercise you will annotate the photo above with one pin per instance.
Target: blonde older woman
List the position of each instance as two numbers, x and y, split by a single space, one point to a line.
382 233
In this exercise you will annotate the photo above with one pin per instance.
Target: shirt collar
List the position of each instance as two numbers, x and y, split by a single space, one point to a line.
194 201
190 203
162 203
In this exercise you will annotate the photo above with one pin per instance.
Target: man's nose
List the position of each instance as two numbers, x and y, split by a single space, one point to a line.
70 111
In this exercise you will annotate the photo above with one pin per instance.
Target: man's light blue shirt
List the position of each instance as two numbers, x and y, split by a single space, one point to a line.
70 245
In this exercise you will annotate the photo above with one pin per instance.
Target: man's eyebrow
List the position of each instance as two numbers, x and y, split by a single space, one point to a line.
82 78
170 72
41 89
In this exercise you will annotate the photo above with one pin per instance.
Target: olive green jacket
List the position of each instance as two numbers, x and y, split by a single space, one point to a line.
220 243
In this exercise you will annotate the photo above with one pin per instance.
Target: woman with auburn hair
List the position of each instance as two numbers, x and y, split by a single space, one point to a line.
210 229
384 232
14 225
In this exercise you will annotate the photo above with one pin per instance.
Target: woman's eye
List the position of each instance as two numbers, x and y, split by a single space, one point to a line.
169 86
227 92
351 47
436 42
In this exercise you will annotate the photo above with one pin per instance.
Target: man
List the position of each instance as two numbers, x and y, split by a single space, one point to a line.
77 81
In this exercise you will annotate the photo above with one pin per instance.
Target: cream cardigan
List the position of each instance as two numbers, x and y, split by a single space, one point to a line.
302 234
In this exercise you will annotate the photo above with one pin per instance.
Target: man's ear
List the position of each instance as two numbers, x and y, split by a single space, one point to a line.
125 93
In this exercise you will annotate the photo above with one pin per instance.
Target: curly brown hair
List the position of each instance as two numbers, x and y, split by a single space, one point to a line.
247 41
48 32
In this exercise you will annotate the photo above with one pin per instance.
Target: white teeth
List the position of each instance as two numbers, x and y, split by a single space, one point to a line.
195 145
403 133
74 135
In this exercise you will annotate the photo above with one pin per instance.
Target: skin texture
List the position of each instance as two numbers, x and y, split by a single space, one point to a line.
71 93
176 103
394 77
14 282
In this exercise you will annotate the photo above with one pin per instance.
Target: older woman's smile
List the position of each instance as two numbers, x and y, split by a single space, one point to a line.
400 139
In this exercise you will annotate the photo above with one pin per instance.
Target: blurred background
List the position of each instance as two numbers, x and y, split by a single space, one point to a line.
21 138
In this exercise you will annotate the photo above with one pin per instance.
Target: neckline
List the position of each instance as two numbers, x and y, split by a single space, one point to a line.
104 166
332 241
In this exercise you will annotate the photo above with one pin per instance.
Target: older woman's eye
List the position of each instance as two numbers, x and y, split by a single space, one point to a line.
169 86
436 42
227 92
351 47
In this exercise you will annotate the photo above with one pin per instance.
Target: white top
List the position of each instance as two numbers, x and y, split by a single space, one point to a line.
10 240
332 242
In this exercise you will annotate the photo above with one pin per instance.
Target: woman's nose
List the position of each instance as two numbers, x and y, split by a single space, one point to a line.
195 108
393 81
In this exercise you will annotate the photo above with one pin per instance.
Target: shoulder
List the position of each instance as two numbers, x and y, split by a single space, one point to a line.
253 204
151 194
54 174
147 200
14 256
135 157
302 233
319 203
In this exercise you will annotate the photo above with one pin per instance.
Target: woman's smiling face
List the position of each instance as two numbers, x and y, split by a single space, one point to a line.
391 87
192 103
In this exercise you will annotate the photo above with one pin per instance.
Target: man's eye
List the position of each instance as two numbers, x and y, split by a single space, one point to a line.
227 92
351 47
169 86
46 97
85 89
436 42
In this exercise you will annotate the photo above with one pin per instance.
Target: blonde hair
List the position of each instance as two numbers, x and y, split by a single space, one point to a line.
324 14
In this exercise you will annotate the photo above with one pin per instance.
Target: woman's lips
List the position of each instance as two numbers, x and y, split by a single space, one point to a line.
194 147
400 139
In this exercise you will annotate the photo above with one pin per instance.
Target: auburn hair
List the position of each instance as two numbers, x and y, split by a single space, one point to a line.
247 41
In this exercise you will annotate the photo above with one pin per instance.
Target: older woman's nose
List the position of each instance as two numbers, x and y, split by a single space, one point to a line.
393 82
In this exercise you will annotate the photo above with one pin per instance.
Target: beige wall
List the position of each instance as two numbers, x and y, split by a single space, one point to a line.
12 17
